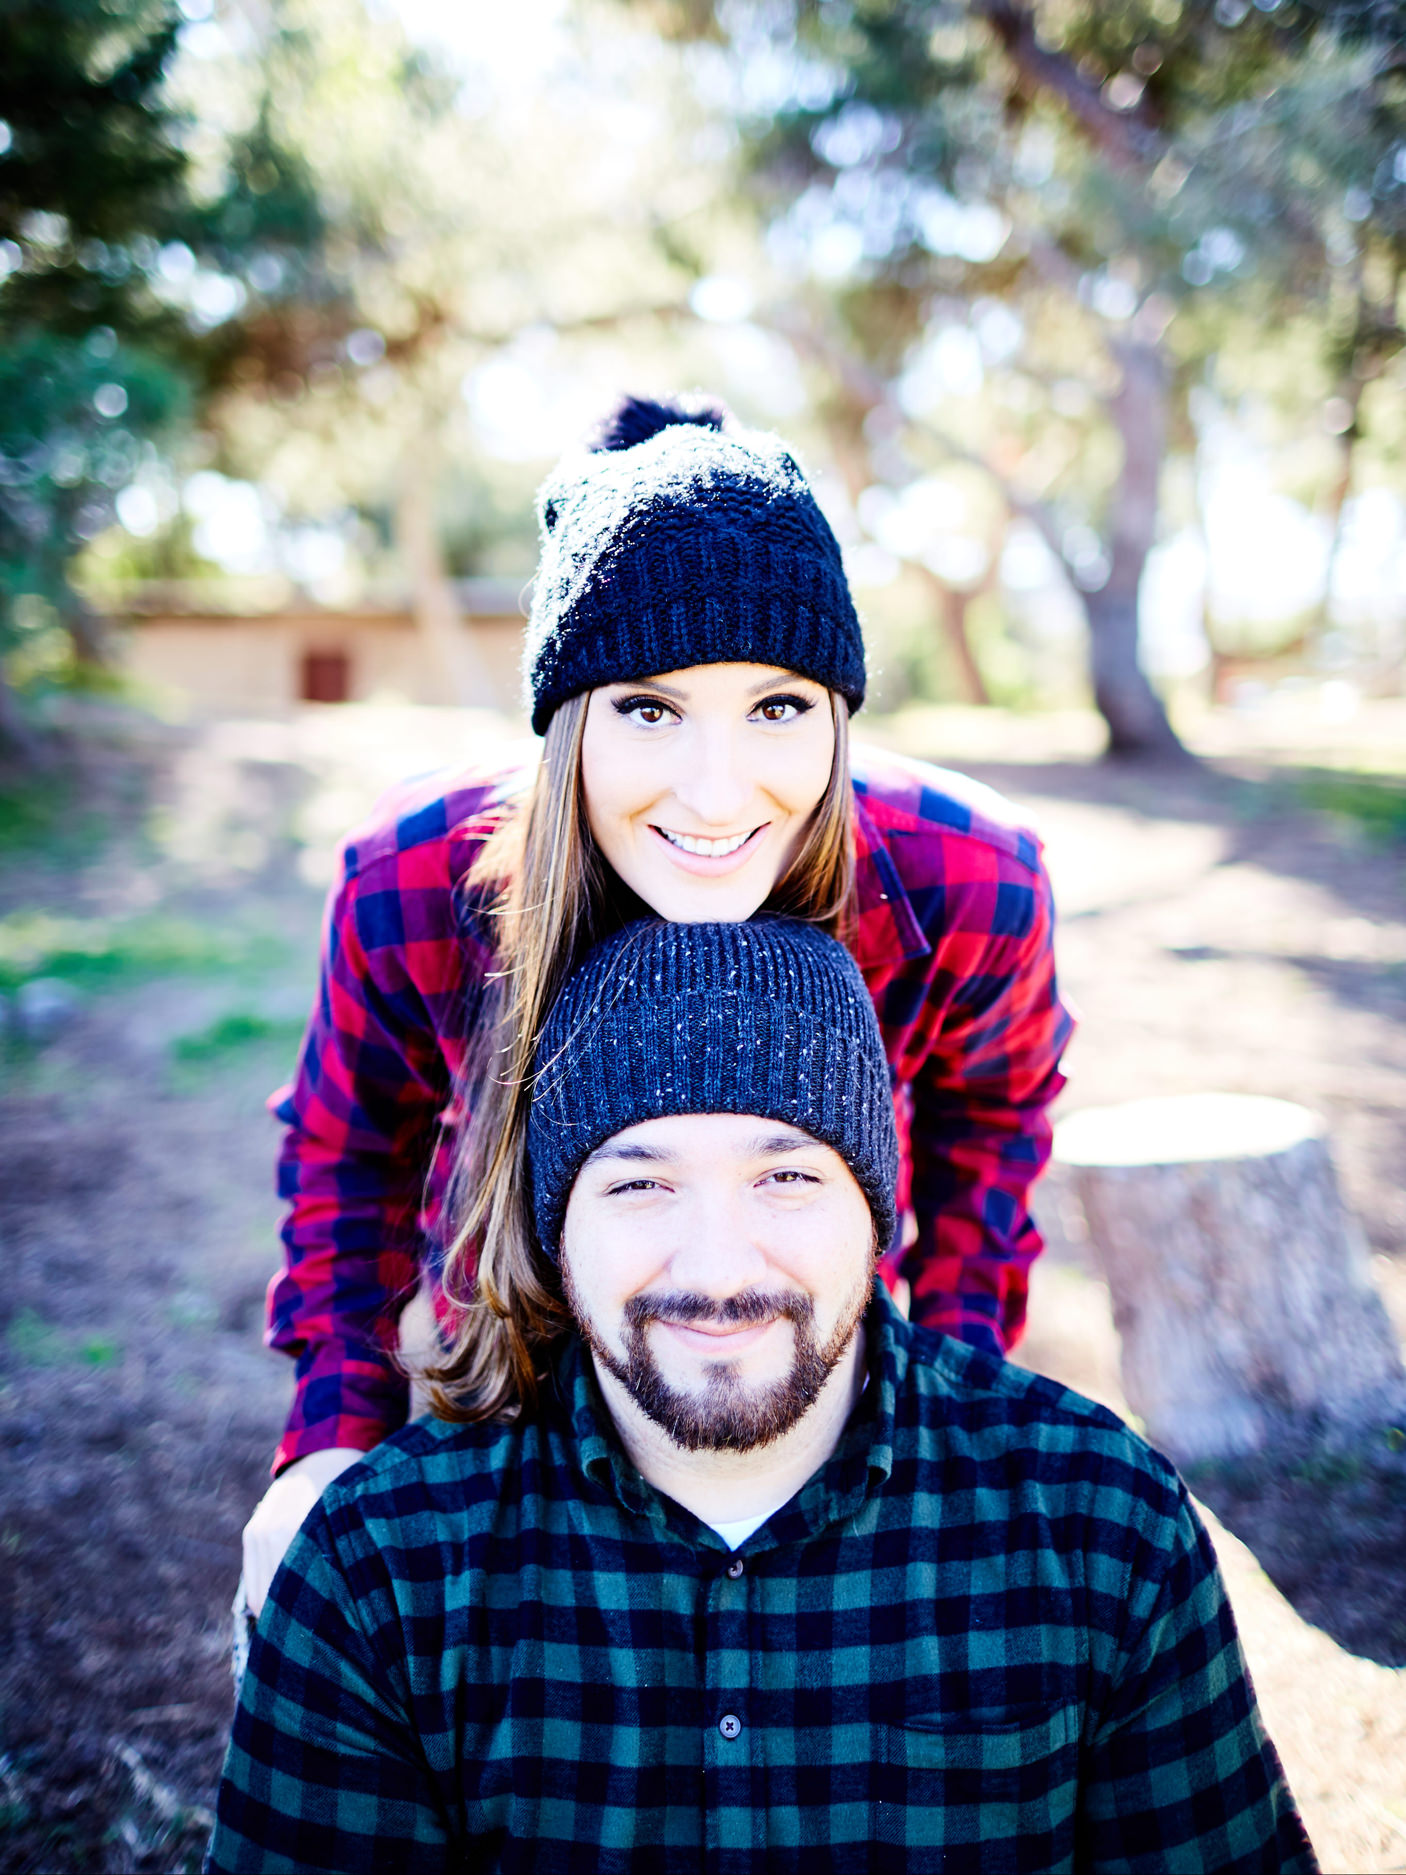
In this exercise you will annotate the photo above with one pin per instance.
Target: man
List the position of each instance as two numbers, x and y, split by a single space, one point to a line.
759 1577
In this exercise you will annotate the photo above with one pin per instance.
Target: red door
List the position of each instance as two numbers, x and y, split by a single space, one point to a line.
326 677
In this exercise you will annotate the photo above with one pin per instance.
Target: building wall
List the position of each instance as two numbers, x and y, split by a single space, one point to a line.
254 666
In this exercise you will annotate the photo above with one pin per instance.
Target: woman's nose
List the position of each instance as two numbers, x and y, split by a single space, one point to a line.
712 783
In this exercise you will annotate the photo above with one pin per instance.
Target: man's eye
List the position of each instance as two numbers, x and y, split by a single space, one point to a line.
788 1175
782 709
646 710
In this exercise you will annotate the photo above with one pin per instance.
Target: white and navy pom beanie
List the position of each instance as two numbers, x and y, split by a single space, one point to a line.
770 1017
680 538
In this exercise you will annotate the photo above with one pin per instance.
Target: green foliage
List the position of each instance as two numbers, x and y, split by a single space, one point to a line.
93 175
236 1033
34 1341
91 186
104 952
75 416
1376 803
40 819
120 291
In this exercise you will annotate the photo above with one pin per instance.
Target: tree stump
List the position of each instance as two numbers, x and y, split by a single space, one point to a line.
1241 1287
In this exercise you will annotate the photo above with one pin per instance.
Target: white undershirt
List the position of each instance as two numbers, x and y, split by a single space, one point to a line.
735 1534
738 1529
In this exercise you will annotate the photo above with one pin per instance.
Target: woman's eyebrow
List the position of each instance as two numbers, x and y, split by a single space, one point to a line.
770 683
653 683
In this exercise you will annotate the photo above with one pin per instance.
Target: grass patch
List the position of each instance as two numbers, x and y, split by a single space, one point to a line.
33 1340
109 952
1376 803
38 1343
41 817
235 1033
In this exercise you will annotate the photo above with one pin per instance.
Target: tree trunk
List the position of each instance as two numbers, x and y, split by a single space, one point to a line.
951 604
17 737
1351 392
852 453
460 674
1240 1284
1137 722
87 630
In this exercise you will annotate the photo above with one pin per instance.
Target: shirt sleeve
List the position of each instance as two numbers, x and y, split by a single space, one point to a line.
361 1116
324 1769
980 1129
1180 1776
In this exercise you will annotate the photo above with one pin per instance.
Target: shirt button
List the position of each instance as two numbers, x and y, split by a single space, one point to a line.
729 1725
735 1567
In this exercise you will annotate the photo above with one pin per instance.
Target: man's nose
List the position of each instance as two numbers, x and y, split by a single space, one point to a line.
717 1255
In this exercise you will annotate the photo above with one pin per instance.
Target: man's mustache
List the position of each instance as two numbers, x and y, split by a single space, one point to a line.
748 1305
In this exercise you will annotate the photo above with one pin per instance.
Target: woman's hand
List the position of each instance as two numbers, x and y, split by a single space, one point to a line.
280 1513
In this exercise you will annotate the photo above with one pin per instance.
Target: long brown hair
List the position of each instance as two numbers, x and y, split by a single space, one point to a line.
555 898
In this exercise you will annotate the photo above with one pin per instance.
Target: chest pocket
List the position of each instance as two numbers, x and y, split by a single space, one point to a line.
979 1793
981 1742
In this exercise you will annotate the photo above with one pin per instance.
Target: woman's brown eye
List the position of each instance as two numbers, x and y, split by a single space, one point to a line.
651 712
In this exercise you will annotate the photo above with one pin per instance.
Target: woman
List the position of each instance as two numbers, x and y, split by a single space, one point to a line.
693 659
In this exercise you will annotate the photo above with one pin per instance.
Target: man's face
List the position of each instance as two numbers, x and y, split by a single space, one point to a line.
718 1267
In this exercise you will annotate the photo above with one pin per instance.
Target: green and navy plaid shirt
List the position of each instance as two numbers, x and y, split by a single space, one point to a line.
988 1635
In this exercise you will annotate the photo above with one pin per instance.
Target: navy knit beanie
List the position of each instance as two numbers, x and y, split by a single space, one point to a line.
681 539
770 1017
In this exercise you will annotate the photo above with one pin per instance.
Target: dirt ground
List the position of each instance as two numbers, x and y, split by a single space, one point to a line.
1217 932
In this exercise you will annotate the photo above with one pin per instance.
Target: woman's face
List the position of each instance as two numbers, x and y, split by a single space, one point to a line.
699 784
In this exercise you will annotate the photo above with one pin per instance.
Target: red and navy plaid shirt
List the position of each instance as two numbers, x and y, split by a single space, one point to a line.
954 937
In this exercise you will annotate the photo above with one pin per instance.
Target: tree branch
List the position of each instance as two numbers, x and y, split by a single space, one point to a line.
1125 139
866 387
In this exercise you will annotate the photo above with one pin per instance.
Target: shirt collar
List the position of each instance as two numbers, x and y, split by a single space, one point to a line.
860 1464
886 914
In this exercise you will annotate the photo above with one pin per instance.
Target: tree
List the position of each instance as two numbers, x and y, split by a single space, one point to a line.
91 173
394 225
1114 180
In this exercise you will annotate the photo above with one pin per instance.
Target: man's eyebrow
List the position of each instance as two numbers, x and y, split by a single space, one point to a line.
765 1144
617 1149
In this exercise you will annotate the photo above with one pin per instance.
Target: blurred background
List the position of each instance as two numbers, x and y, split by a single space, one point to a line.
1087 323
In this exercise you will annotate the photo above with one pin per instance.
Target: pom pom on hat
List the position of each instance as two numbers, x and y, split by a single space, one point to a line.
636 419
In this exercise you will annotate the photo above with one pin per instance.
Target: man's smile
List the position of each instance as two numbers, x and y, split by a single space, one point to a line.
714 1338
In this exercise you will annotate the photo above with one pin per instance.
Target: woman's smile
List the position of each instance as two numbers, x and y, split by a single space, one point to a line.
696 854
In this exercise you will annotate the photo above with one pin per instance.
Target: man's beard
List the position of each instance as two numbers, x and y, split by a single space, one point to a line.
727 1416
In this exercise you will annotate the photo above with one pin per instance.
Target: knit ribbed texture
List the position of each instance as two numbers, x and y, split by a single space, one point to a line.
693 546
770 1018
